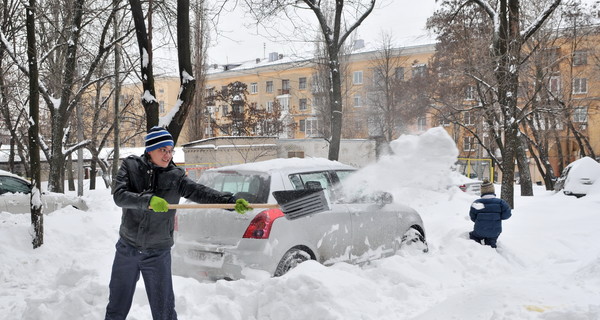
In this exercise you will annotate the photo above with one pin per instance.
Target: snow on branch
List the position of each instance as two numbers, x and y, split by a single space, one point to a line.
527 32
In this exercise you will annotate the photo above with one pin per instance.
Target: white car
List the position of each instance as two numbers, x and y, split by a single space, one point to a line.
466 184
578 177
15 196
221 244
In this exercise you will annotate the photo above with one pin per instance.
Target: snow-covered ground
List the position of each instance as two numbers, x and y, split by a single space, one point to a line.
547 265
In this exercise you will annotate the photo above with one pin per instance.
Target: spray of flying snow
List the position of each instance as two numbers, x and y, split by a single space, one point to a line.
417 162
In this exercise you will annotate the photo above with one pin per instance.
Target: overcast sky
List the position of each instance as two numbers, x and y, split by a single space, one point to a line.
240 41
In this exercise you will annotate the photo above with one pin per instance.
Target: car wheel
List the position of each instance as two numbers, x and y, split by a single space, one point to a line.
413 239
290 260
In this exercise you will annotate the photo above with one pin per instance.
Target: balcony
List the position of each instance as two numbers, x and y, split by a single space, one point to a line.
283 91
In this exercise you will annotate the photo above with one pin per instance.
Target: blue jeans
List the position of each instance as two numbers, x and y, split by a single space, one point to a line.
155 266
487 241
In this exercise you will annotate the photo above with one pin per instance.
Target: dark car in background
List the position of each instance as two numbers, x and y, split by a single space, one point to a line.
15 196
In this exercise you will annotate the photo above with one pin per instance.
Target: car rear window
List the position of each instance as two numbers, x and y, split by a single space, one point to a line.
250 186
12 185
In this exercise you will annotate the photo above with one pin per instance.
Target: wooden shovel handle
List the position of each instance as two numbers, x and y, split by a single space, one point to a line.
220 206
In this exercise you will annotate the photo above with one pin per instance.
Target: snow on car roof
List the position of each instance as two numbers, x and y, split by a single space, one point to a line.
285 163
585 167
7 173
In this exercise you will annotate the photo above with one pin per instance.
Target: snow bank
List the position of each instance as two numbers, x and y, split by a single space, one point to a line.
547 265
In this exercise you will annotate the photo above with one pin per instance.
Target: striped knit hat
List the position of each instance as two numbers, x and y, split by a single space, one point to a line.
158 137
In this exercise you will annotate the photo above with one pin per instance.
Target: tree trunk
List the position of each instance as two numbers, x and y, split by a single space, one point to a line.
61 115
149 96
117 118
70 178
524 171
187 82
37 219
336 104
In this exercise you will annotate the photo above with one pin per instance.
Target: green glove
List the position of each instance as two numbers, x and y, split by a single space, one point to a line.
241 206
159 204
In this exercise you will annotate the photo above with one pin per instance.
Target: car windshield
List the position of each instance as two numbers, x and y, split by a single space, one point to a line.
254 187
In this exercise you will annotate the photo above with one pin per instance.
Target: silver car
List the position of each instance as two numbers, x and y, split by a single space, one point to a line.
15 196
221 244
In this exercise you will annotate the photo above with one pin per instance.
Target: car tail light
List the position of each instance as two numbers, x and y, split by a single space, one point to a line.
260 226
463 187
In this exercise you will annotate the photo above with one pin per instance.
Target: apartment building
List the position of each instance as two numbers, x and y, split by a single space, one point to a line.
293 82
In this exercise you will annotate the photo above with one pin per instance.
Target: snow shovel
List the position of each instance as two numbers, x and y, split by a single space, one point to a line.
293 203
299 203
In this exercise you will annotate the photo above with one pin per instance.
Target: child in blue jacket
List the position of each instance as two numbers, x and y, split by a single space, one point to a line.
488 212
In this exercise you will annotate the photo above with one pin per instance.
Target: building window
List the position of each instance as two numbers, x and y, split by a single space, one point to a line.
357 101
312 127
357 77
468 144
470 93
302 125
554 85
253 105
285 86
580 85
378 78
210 92
161 106
284 104
238 109
225 110
399 73
580 114
468 118
302 104
419 70
579 58
422 123
269 87
317 86
302 83
253 87
269 106
443 121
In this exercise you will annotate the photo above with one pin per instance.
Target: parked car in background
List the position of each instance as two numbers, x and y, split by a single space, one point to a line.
578 177
221 244
15 196
468 185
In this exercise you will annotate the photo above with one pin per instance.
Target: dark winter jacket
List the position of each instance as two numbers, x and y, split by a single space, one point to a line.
488 213
137 181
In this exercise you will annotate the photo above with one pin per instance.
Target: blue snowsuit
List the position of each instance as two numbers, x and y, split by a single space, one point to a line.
488 213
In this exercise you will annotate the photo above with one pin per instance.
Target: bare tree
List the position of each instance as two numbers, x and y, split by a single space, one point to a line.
506 38
245 119
335 33
175 120
37 218
198 121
